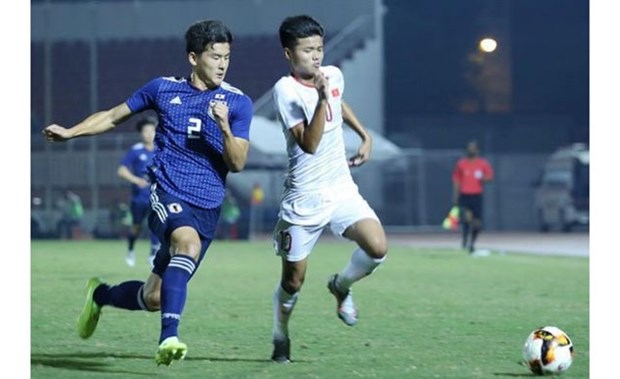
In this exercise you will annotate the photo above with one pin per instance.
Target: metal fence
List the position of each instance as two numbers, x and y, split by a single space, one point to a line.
412 192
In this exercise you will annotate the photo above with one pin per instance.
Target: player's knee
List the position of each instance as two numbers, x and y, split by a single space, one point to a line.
187 245
152 300
377 247
292 285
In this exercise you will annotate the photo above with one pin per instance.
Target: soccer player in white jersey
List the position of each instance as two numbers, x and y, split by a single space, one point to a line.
318 189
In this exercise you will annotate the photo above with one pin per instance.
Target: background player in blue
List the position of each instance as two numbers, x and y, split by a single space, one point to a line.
132 168
203 133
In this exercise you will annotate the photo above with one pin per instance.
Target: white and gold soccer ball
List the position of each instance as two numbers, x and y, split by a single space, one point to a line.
548 350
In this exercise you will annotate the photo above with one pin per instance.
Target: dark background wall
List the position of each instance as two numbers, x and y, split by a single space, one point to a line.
545 52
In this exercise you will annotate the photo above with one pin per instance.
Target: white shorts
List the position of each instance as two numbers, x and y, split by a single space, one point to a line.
295 241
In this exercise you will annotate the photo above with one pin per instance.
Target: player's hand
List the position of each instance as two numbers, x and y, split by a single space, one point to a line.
220 113
321 83
142 183
363 154
55 133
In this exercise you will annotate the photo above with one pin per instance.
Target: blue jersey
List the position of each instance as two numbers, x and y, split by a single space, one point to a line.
188 161
137 159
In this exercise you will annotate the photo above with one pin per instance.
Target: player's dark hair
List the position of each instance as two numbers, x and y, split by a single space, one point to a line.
145 121
296 27
474 142
206 32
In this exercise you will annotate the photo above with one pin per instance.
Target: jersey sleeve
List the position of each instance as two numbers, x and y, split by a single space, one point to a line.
144 98
336 80
128 159
242 118
288 105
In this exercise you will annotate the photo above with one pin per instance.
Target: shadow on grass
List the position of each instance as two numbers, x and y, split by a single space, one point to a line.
81 361
73 363
512 374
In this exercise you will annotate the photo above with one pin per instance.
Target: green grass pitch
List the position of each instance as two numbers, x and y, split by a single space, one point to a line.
425 313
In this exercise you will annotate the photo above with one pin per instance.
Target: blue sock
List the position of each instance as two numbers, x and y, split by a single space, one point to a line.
127 295
131 241
174 292
155 245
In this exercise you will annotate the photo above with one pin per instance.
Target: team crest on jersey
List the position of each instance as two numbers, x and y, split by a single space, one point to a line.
219 96
335 92
212 103
175 208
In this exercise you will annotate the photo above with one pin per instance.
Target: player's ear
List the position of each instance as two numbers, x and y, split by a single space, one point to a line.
287 53
192 58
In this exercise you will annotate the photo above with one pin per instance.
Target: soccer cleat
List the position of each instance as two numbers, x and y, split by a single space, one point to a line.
281 351
87 321
130 258
347 311
170 349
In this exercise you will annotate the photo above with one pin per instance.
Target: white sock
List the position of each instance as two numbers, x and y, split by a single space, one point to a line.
360 265
283 304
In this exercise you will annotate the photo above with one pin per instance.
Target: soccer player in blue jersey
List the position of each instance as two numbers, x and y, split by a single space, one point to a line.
203 133
133 168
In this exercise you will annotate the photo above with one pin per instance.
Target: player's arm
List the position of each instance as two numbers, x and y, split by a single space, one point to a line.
456 185
235 152
455 192
97 123
363 153
308 134
236 149
124 172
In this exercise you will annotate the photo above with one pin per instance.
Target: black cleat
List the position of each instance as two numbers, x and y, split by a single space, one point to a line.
281 351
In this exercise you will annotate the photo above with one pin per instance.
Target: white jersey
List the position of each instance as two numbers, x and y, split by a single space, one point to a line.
314 182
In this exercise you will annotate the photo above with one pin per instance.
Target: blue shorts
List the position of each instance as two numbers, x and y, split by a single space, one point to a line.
139 210
169 213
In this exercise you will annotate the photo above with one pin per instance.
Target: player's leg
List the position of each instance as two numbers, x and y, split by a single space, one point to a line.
137 216
185 251
284 300
131 295
132 236
465 220
181 265
476 221
293 244
370 237
355 220
371 252
189 231
468 221
140 209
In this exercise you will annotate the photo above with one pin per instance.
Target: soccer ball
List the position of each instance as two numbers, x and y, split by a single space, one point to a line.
548 350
